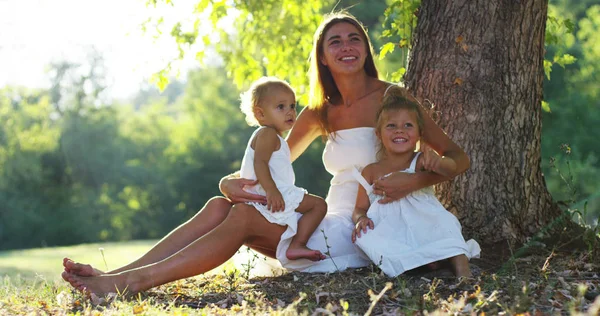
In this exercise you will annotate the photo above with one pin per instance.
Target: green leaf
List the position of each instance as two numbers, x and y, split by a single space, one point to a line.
201 6
564 60
160 79
569 25
547 68
385 49
397 76
546 106
403 43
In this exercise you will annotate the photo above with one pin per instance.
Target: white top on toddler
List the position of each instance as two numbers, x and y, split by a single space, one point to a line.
280 166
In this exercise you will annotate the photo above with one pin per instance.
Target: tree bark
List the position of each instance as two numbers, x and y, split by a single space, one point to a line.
480 62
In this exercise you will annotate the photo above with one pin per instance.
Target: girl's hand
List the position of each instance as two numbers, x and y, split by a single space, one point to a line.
233 189
394 187
275 201
361 226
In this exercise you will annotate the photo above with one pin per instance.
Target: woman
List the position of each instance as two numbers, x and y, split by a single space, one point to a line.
345 96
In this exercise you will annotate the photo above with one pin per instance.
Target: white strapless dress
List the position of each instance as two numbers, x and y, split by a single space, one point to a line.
349 149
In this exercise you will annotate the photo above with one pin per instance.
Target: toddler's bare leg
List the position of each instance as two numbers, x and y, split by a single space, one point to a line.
313 209
460 265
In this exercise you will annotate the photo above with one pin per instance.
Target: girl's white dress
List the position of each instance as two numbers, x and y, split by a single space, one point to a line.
411 232
280 166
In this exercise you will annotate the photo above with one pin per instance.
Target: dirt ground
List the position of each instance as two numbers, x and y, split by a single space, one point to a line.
539 283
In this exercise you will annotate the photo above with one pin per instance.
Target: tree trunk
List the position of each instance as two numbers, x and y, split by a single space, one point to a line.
480 62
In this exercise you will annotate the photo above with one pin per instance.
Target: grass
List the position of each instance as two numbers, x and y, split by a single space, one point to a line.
541 282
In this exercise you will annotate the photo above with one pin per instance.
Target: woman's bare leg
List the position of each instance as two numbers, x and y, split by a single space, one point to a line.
209 217
244 223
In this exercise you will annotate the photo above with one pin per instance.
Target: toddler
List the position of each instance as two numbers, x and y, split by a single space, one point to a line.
270 103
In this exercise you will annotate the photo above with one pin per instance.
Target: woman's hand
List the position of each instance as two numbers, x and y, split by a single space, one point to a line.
233 189
395 186
433 162
362 225
275 202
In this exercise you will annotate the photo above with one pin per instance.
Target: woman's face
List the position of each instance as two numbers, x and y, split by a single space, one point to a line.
344 49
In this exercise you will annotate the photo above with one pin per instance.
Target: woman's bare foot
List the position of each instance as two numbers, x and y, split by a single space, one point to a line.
101 285
303 252
80 269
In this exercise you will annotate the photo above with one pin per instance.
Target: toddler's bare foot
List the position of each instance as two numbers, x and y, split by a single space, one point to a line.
303 252
80 269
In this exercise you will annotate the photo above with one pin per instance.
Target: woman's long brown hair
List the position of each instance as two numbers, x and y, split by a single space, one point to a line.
323 89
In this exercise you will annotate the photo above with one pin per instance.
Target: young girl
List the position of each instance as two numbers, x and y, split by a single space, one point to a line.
271 104
415 230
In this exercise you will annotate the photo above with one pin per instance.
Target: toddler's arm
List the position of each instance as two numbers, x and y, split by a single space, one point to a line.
266 142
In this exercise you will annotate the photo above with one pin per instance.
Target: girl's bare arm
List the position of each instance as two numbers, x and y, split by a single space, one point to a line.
359 217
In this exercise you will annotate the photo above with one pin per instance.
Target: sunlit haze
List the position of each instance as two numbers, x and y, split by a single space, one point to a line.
34 33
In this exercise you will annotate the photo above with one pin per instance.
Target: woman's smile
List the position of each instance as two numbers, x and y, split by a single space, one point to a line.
344 46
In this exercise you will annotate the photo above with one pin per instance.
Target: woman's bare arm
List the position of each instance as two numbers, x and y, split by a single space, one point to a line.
232 187
431 161
437 139
304 132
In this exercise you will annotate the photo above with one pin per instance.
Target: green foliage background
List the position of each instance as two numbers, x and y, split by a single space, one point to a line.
77 167
570 147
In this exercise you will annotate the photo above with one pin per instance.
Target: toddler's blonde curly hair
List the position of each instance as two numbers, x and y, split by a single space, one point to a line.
253 97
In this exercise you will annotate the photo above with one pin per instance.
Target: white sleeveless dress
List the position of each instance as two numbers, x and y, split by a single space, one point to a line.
280 166
411 232
349 149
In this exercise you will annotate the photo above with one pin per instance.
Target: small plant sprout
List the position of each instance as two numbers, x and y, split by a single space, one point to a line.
103 258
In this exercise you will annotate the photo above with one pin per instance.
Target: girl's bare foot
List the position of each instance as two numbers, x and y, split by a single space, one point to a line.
436 265
460 265
303 252
464 273
79 269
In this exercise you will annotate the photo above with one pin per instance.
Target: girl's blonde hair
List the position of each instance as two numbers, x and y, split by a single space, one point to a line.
322 86
255 95
396 98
